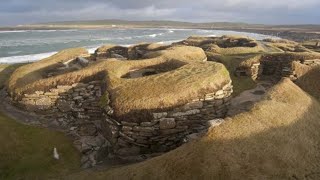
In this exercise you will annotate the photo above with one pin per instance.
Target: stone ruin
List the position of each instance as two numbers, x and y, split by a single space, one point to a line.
83 105
276 66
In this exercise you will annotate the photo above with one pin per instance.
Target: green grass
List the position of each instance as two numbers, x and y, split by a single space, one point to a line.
240 84
27 152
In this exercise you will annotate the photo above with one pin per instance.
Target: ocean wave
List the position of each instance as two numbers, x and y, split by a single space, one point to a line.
51 30
169 42
155 35
25 58
18 31
14 52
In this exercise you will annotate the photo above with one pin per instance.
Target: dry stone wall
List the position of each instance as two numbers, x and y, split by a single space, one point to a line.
274 68
76 109
97 135
167 130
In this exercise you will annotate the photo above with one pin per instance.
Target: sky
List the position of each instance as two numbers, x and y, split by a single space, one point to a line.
17 12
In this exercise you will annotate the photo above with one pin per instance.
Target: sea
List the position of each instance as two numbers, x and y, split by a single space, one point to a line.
33 45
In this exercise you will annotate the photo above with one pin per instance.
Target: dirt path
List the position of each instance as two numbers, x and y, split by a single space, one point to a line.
247 99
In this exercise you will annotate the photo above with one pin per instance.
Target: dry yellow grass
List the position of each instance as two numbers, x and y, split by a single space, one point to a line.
225 45
5 71
308 78
250 61
192 79
277 139
30 73
185 76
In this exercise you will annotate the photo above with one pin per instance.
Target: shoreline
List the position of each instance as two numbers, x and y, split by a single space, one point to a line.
298 34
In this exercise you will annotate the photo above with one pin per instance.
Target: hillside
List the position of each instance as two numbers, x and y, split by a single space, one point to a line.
277 139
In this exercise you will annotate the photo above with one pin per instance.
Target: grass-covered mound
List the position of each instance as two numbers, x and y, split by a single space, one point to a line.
313 44
184 76
277 139
225 45
283 45
5 71
308 78
26 75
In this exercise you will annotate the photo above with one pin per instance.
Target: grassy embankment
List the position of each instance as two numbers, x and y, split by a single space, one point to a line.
27 152
277 139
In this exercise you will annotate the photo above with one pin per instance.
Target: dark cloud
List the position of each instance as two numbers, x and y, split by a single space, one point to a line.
254 11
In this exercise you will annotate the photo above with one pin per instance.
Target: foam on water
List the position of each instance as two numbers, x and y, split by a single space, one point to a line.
25 46
25 58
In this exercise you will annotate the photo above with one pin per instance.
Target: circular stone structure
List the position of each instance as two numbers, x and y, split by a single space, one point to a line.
124 106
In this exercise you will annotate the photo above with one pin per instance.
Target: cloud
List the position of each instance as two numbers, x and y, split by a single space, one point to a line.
253 11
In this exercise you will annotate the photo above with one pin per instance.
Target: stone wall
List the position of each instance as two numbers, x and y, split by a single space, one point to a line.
168 129
273 69
76 109
254 71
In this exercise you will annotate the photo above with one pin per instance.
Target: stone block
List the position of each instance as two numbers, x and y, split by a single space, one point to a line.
126 128
167 123
143 129
63 106
193 105
43 103
214 122
125 123
87 129
148 124
160 115
186 113
218 93
127 138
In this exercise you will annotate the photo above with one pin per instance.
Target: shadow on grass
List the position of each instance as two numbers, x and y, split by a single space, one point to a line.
266 143
310 82
5 71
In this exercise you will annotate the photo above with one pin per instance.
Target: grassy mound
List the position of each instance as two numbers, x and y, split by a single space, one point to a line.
33 72
5 71
308 78
107 51
277 139
313 44
191 79
182 69
283 45
225 45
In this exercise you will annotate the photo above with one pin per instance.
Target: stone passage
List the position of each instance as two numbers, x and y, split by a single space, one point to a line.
167 129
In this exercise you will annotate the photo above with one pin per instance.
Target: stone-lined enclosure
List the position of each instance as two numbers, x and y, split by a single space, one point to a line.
276 66
267 59
109 113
